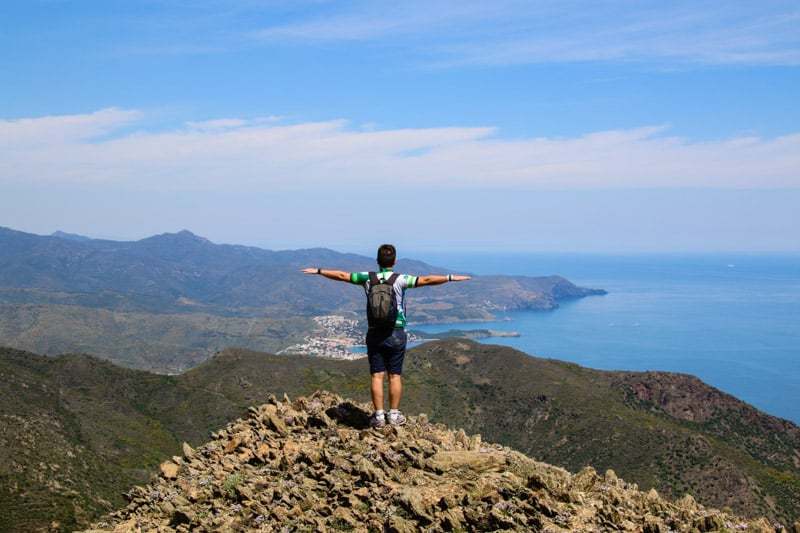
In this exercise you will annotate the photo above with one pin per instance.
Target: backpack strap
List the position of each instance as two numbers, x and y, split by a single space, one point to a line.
373 279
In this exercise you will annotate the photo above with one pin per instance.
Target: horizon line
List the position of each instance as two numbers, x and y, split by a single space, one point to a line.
358 249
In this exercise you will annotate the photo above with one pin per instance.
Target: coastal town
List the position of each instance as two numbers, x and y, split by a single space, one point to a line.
334 338
338 337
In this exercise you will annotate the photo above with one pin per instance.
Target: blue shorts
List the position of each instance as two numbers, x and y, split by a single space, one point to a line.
386 350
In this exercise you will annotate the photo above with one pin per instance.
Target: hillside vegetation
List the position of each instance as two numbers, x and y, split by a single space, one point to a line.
78 431
165 343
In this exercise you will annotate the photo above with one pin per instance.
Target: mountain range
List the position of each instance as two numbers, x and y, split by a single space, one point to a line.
167 302
79 431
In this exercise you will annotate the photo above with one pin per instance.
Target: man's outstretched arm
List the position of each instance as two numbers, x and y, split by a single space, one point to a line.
337 275
438 280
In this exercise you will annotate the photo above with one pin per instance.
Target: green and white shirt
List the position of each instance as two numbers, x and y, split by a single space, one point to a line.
403 282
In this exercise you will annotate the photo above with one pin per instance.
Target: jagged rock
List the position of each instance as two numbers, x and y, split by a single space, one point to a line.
711 522
188 451
453 519
473 460
169 469
273 420
687 502
312 465
417 504
762 525
585 479
397 524
232 444
653 525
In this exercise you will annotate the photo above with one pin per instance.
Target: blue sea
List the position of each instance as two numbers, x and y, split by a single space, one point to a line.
731 319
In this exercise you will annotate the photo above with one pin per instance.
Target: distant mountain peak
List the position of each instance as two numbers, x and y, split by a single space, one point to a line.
188 235
183 235
70 236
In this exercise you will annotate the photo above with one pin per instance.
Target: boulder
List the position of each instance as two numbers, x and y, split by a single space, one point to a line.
169 469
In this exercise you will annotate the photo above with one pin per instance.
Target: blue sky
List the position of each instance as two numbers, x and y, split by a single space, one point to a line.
609 126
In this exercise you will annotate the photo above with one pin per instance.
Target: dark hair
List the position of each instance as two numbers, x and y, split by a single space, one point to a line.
386 256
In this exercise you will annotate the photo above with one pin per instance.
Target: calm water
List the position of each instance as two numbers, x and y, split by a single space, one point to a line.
731 319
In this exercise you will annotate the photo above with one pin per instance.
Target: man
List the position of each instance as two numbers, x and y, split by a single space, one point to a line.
386 341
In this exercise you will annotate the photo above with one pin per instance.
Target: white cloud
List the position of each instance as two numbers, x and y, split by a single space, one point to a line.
261 155
229 123
516 32
30 132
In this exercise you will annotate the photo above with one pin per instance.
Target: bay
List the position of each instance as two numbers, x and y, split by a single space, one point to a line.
733 320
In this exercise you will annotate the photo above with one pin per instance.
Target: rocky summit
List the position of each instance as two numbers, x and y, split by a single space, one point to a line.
313 464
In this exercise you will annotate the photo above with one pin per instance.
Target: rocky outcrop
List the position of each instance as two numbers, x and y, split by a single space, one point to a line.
770 439
313 465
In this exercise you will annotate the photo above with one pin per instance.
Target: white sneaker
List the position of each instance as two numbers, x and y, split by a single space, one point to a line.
397 419
377 420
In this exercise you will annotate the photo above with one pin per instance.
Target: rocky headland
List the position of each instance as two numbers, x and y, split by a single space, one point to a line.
472 334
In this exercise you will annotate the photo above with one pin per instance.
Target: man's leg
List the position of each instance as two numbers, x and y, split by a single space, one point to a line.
395 368
395 390
377 390
377 367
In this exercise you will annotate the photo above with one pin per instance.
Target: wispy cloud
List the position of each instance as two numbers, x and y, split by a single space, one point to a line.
512 32
30 133
262 155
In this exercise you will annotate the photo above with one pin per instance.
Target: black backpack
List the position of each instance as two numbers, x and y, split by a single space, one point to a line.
381 302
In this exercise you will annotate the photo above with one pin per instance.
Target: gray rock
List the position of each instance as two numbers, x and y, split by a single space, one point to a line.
291 466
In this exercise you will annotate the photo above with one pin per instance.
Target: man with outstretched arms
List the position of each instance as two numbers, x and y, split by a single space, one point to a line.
386 315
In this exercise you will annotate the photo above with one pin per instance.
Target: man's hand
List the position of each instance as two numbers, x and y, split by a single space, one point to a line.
310 271
459 277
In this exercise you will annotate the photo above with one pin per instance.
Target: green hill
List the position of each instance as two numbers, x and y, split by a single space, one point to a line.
78 431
